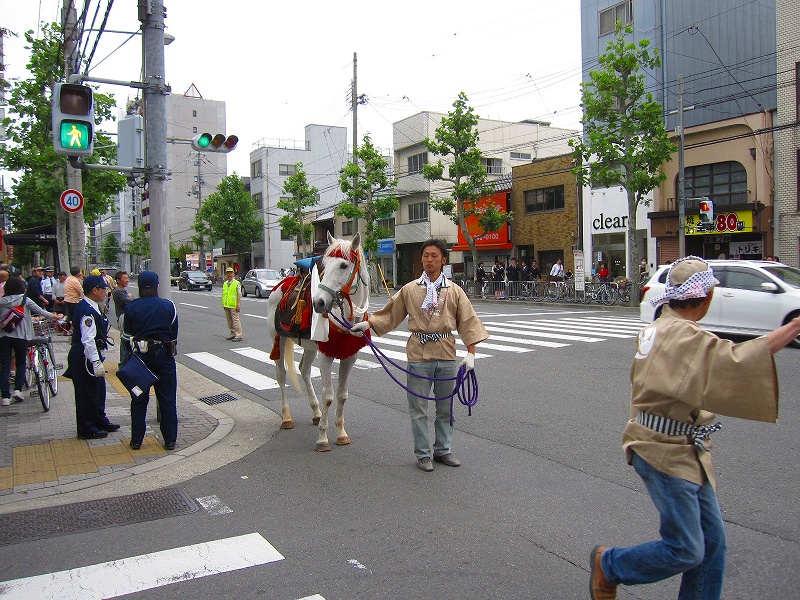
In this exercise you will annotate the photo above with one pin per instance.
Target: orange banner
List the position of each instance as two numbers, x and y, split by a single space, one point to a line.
492 240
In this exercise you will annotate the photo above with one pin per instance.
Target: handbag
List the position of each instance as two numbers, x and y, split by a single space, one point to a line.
135 376
14 317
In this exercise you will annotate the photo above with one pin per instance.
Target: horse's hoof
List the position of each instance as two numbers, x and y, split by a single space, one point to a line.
323 447
289 424
315 420
343 440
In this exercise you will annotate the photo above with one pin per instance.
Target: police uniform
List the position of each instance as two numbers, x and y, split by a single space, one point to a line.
151 324
88 343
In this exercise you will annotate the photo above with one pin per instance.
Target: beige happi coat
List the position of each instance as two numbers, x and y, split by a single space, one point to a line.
454 312
685 373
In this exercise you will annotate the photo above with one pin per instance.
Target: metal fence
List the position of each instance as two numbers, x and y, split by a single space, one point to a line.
608 294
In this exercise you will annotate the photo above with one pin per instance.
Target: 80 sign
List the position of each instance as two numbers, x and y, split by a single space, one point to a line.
728 222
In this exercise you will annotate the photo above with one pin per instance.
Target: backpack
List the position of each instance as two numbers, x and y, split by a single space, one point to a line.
14 317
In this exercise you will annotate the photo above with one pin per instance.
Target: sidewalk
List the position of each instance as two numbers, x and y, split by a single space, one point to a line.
40 454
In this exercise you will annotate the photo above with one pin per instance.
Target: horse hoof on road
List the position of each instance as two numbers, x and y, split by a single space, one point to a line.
287 424
322 447
343 440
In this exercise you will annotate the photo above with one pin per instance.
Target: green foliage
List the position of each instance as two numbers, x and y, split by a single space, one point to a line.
230 214
368 197
110 250
29 149
139 242
181 251
302 196
625 142
458 137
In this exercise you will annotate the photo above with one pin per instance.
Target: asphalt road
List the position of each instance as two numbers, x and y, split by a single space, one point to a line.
543 479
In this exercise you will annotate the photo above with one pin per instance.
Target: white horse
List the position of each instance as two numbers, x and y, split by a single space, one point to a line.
343 292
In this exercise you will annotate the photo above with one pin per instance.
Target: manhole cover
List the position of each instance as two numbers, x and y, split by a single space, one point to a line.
218 399
45 523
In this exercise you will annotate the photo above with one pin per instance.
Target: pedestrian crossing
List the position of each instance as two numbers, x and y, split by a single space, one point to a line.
253 368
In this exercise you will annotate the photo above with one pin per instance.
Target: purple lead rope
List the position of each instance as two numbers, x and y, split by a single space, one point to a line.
466 386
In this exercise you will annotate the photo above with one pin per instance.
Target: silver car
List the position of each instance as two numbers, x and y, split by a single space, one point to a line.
260 282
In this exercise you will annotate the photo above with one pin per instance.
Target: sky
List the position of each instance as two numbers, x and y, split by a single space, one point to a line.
279 66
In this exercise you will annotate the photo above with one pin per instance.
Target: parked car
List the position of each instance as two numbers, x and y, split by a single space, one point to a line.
753 297
260 282
193 280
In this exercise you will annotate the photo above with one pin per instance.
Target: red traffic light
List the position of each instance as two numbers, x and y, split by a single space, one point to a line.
704 206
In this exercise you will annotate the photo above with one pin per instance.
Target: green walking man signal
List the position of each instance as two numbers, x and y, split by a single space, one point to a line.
73 119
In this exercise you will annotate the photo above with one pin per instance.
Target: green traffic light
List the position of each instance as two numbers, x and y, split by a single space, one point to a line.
204 140
75 135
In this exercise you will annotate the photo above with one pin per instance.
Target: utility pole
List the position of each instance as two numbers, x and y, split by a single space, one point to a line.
75 253
354 100
681 179
155 102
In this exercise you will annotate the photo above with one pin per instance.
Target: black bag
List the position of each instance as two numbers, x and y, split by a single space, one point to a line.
14 317
135 376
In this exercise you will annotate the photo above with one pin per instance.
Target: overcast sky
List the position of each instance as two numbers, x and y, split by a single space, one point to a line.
282 65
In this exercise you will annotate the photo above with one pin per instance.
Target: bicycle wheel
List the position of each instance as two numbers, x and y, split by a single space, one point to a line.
552 291
51 369
537 292
41 384
29 378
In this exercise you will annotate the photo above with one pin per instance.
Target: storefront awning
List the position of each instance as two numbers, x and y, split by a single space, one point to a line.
35 236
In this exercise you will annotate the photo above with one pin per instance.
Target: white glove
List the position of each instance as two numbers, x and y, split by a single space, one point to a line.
359 328
469 362
98 369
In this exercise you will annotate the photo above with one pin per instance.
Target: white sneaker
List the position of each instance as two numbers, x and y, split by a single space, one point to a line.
17 396
5 401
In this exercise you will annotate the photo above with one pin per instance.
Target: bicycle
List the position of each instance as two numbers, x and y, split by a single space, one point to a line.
42 367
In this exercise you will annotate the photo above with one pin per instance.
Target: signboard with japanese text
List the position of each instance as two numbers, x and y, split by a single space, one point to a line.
740 248
499 239
580 271
724 222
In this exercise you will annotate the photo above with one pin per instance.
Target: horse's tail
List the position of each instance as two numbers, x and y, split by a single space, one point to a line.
288 361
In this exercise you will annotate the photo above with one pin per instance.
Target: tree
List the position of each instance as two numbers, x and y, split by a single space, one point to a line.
29 149
458 136
369 198
139 242
302 197
624 139
230 214
109 250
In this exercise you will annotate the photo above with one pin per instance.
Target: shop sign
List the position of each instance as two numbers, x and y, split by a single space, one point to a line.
731 222
385 246
491 239
739 248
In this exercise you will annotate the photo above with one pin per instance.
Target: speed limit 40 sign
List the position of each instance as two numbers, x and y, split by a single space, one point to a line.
71 200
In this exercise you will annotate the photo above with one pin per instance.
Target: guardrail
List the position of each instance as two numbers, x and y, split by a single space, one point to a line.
607 294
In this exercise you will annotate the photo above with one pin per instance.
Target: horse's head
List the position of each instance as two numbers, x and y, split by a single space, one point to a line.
341 263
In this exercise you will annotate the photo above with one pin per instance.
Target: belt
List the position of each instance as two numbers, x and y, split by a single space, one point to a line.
672 427
424 338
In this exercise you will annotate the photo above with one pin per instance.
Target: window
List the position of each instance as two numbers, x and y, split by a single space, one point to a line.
194 113
724 183
387 224
258 199
545 199
521 155
417 212
286 170
744 280
493 166
347 227
285 236
609 17
255 169
194 129
416 161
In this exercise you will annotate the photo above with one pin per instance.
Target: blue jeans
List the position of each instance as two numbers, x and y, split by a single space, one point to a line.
692 539
418 407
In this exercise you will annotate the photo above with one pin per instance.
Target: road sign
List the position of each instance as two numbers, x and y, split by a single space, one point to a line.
71 200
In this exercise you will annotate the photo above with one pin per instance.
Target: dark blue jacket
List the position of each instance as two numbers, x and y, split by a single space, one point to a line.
151 319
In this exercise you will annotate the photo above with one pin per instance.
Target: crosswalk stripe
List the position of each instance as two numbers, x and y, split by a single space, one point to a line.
569 328
617 320
246 376
263 357
555 336
603 325
147 571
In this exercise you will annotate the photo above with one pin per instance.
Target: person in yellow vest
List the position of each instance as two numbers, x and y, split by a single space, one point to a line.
231 300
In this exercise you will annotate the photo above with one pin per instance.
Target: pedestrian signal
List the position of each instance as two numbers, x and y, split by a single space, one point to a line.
205 142
73 119
706 214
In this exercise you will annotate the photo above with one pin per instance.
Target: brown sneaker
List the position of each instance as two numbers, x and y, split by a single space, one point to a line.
425 464
447 459
599 586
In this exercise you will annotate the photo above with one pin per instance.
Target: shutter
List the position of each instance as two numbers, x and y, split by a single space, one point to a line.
668 250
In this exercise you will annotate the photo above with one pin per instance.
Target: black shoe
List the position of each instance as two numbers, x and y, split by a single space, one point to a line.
230 337
169 445
110 427
135 445
97 435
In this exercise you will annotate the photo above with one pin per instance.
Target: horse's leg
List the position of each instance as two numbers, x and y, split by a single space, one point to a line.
345 366
326 363
280 376
309 354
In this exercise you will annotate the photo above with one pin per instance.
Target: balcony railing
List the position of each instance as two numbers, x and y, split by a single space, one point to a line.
726 199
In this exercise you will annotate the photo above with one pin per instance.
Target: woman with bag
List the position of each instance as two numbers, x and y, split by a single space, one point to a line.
16 330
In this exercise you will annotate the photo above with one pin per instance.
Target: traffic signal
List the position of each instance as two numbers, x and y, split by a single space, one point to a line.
706 213
205 142
73 119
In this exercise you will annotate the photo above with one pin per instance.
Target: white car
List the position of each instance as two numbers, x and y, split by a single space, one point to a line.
753 297
260 282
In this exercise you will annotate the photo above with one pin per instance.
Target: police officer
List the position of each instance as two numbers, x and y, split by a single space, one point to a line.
85 362
151 325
